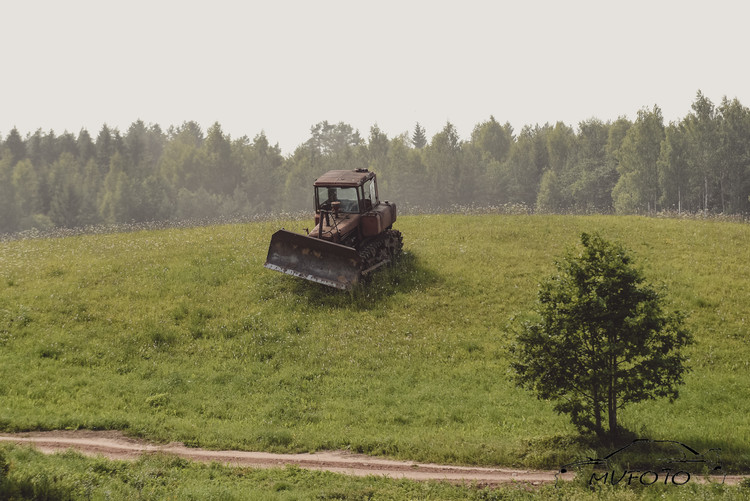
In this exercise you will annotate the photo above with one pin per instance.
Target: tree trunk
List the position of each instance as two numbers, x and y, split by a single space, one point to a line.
612 396
597 412
612 409
705 193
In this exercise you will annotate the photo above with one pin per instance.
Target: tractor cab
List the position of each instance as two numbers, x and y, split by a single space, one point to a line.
355 190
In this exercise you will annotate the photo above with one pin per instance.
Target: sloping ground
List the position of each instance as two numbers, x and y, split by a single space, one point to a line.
183 336
114 445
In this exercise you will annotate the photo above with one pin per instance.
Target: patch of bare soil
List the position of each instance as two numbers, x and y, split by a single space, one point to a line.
115 445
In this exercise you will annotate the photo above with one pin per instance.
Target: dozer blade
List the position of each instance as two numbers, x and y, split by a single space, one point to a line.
314 259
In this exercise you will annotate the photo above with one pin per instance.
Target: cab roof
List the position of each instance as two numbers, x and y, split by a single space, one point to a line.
346 178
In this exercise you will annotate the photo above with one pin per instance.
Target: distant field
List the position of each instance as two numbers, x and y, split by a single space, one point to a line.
182 335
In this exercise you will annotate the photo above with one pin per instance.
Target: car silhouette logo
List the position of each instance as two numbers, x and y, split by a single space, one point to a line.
647 462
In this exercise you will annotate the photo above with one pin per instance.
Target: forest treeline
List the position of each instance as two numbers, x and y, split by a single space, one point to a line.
700 163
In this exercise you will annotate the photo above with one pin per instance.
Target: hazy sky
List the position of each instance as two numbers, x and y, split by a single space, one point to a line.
282 66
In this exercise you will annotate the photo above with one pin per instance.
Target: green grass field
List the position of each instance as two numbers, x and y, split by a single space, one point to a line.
70 476
182 335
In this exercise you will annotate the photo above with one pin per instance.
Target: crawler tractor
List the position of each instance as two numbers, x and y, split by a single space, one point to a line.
352 237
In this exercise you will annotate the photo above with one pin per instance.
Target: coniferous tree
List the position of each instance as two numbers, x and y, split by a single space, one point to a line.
106 147
183 163
116 200
26 184
700 163
66 199
135 154
85 147
66 205
224 176
150 200
91 186
8 207
66 143
592 174
16 147
419 137
34 148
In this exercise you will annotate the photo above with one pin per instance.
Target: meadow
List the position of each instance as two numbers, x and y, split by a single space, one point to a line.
182 335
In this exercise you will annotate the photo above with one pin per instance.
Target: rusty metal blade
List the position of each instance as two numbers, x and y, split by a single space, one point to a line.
314 259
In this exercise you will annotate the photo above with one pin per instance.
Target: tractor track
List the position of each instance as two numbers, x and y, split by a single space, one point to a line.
115 445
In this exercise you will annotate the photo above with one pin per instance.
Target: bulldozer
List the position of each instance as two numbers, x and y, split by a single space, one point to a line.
353 234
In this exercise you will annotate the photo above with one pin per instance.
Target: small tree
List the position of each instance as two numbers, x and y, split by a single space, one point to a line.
419 137
601 340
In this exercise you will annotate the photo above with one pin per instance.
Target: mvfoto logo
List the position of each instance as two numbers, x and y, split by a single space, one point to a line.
647 462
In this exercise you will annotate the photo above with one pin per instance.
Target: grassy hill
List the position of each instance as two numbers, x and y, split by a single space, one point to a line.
182 335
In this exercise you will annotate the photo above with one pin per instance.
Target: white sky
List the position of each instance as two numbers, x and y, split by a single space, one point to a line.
282 66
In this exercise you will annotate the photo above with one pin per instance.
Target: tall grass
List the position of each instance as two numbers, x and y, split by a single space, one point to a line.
181 334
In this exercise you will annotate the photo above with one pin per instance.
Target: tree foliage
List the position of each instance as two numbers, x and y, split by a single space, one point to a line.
419 137
443 162
638 187
601 338
699 163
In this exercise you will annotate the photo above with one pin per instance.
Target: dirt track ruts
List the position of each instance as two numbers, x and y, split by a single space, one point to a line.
115 445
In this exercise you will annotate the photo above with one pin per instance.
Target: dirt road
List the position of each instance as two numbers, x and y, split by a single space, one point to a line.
114 445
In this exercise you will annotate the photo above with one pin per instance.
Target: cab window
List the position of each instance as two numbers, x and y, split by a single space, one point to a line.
370 197
347 197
